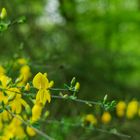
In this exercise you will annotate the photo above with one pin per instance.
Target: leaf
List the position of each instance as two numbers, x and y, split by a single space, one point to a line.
4 26
73 97
21 19
36 125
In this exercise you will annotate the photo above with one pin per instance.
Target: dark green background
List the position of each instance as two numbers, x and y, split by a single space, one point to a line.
98 41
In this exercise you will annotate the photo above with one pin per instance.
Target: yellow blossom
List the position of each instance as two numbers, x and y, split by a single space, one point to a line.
14 130
90 118
132 109
5 115
120 108
31 132
25 74
3 98
17 103
41 82
36 112
106 117
5 80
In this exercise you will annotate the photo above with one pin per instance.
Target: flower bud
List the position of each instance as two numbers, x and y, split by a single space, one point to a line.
3 13
51 84
28 109
73 81
77 86
27 87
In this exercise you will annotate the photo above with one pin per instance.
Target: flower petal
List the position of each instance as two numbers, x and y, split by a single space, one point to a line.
40 81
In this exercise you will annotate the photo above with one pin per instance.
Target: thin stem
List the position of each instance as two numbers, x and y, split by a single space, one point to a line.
60 97
77 100
114 133
94 128
60 89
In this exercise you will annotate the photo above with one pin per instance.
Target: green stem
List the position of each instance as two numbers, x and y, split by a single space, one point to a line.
94 128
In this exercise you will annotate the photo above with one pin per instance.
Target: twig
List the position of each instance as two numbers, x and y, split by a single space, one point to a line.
77 100
94 128
60 97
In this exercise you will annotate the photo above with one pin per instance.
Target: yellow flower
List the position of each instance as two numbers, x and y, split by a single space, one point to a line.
3 98
17 103
14 130
31 132
36 112
120 108
132 109
5 115
25 74
91 119
5 80
41 82
106 117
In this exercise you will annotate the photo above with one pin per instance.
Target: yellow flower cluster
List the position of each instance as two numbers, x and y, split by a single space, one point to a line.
129 110
16 108
91 119
13 101
123 109
120 108
14 129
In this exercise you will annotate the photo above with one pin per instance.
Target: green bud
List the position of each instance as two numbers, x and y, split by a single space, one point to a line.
3 13
46 114
72 97
77 86
21 19
73 81
105 98
28 109
19 79
113 103
27 87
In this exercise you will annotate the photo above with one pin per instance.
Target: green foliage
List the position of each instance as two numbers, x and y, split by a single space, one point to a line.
98 41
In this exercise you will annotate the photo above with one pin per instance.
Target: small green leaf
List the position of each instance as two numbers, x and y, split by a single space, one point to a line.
73 97
105 99
73 81
21 19
36 125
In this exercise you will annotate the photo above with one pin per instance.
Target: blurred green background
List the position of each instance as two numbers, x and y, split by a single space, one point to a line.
98 41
